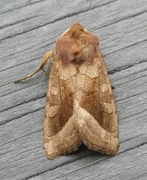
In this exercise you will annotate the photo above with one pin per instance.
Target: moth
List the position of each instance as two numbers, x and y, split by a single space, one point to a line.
80 107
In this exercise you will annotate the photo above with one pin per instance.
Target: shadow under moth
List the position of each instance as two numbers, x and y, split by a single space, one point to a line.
79 104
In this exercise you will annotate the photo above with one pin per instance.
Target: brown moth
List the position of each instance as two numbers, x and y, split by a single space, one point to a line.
79 105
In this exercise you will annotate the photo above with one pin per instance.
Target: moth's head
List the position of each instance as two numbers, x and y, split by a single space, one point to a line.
76 45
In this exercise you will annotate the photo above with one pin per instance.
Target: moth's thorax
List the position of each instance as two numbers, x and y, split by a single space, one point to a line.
76 46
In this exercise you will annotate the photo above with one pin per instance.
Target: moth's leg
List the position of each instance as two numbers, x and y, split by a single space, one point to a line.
65 141
93 135
44 59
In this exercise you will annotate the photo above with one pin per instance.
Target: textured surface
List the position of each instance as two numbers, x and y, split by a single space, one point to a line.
28 29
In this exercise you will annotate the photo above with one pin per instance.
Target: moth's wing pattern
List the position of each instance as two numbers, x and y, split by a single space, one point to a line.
100 132
52 123
108 110
60 134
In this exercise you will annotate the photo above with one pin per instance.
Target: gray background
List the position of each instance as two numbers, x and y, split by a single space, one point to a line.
28 29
